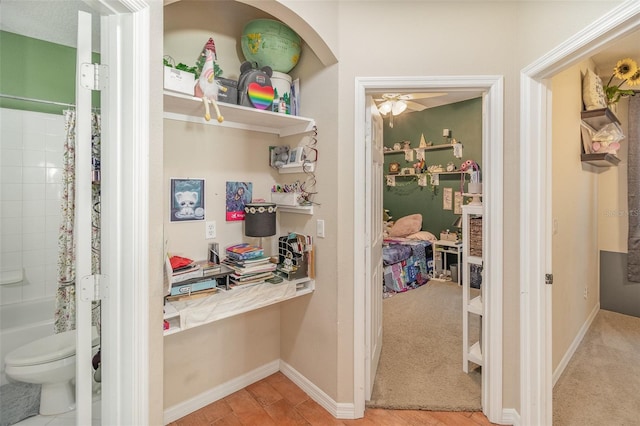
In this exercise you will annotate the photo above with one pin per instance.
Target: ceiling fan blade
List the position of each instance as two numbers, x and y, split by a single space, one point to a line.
414 106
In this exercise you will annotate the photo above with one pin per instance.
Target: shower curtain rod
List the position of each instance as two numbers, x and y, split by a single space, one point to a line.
20 98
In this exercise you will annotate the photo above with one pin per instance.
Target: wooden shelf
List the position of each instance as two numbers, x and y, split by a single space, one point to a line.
598 118
182 107
475 305
593 121
600 159
475 354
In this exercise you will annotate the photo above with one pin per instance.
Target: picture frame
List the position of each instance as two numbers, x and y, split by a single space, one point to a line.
457 202
238 194
187 199
447 199
394 168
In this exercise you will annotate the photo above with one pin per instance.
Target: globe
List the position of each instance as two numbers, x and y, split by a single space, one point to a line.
270 43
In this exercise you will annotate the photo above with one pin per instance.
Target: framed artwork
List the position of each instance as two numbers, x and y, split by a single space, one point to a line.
447 198
457 202
238 194
394 168
187 199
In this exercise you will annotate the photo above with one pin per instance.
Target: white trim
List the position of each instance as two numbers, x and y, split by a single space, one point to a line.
336 409
510 417
535 243
492 158
214 394
574 345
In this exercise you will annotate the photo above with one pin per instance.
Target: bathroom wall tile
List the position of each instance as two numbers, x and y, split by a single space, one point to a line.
10 125
11 243
54 124
32 257
34 191
33 285
54 142
53 191
10 294
50 256
11 260
32 208
11 209
33 225
51 280
33 158
33 241
10 192
10 157
33 140
51 240
11 226
54 159
34 175
52 224
54 175
11 174
52 207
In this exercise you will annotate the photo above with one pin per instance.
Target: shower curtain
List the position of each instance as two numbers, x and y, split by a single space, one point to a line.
633 182
65 314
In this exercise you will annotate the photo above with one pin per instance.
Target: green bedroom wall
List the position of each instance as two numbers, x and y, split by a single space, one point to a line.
38 69
464 119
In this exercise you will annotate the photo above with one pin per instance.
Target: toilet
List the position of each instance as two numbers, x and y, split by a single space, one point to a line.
51 362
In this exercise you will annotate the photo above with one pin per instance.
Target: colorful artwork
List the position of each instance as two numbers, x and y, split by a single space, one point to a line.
187 199
238 194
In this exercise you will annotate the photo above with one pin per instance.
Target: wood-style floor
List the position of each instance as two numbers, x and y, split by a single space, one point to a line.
277 401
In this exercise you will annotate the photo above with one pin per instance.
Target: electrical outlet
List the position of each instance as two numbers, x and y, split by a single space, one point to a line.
320 228
210 230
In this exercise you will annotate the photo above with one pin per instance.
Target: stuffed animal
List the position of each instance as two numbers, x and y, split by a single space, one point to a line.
208 84
254 86
280 155
187 200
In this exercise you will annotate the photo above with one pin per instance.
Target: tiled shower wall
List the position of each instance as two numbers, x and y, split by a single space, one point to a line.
31 146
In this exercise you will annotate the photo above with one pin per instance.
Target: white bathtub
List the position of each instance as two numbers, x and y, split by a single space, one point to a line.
21 323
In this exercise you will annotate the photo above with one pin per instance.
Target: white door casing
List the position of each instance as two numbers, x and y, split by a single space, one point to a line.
536 383
492 139
374 165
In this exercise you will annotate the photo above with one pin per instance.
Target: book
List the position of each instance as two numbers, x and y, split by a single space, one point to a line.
208 267
190 287
244 251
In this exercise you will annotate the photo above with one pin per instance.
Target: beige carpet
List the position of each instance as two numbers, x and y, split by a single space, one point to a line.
601 384
421 360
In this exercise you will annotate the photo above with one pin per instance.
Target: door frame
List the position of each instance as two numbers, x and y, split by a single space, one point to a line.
536 383
125 44
492 152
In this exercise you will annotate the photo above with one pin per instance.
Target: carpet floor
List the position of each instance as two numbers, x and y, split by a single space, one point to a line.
421 360
601 383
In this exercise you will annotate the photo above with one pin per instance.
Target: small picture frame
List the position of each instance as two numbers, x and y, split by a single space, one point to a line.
457 202
187 199
394 168
447 198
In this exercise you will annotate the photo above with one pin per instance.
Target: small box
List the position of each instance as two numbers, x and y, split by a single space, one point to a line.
449 236
286 198
179 81
229 96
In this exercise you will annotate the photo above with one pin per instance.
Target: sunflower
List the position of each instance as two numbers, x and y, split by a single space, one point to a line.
634 80
625 68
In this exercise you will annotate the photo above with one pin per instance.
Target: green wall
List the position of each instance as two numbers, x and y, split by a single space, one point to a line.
37 69
464 119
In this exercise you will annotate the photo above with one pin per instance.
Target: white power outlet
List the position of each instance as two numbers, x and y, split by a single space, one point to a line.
210 230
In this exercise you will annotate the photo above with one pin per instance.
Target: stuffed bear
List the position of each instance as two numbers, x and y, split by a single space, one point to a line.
280 155
254 86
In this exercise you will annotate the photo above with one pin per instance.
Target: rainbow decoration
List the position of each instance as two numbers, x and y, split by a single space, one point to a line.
260 96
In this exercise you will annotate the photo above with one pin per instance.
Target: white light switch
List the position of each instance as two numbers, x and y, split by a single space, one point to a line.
210 230
320 228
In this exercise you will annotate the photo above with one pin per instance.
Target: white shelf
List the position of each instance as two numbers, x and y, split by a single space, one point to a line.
239 300
475 260
306 168
475 354
436 147
178 106
295 209
475 305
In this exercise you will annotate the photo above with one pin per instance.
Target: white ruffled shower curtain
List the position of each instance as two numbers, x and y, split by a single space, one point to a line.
65 313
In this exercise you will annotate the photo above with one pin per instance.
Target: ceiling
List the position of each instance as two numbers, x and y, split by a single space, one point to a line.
56 21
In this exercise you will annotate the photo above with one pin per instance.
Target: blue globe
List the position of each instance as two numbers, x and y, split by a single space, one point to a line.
270 43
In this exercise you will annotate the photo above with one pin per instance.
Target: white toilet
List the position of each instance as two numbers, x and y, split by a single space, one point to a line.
51 362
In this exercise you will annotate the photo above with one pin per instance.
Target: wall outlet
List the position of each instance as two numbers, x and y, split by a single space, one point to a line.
210 230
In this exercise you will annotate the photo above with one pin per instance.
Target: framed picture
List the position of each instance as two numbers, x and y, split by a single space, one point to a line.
457 202
394 168
238 194
187 199
447 198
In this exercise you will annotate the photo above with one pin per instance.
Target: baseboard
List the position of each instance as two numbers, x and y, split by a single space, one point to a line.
510 416
574 345
336 409
197 402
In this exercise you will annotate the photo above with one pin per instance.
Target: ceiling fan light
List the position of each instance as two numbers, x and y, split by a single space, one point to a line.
398 107
385 108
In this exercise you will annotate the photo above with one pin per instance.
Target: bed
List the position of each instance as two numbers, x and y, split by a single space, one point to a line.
407 254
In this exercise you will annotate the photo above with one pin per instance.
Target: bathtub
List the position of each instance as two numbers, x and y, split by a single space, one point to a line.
24 322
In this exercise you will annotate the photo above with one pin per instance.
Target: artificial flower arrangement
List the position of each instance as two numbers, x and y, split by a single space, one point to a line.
628 72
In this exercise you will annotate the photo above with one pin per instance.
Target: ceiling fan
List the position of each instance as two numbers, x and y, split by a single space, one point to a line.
397 103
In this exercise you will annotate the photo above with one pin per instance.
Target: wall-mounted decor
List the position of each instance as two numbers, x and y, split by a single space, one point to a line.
447 199
394 168
238 195
187 199
457 202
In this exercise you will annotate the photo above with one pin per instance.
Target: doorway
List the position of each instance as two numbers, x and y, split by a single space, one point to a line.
492 86
536 225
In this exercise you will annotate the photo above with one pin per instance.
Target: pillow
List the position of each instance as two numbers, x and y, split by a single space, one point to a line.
422 236
406 225
592 92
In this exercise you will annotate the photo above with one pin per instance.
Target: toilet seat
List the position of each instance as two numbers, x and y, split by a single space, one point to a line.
47 349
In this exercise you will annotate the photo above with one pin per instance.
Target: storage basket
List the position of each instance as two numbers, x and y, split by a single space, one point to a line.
475 236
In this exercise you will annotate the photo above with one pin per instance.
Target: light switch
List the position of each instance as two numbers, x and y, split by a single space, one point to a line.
320 228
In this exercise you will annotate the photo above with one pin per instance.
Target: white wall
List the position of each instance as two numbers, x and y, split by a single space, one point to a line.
31 150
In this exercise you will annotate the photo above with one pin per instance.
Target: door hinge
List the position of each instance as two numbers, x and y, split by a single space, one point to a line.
548 278
94 76
94 287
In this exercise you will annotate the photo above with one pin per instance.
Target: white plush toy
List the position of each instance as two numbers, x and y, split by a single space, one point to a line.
187 200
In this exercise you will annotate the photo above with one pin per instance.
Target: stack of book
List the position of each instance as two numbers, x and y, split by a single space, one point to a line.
187 278
249 265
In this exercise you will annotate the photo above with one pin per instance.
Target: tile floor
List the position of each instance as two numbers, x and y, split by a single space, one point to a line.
66 419
277 401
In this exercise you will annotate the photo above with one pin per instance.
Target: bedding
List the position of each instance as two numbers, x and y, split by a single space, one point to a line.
407 264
